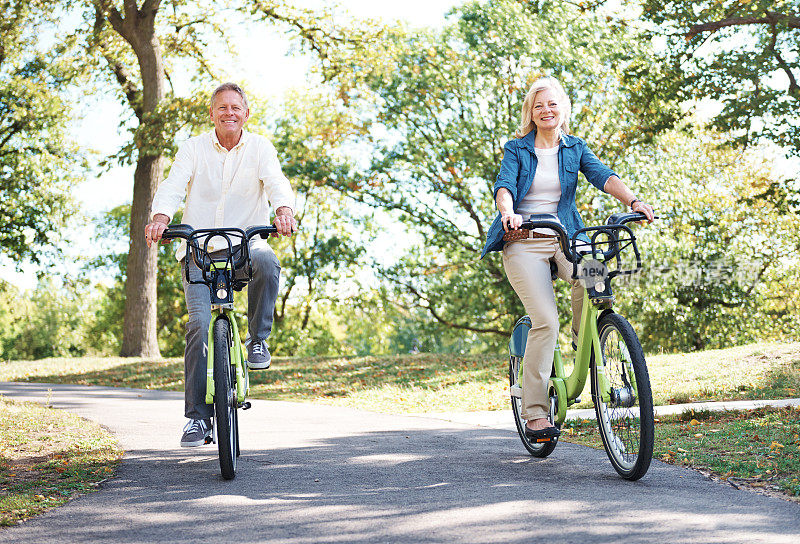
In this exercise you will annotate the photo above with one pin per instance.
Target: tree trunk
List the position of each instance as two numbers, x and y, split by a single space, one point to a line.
139 337
140 326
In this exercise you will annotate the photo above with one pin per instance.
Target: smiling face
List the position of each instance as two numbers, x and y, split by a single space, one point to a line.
545 113
229 114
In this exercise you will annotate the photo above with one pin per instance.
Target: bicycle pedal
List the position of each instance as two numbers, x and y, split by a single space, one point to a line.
245 405
209 439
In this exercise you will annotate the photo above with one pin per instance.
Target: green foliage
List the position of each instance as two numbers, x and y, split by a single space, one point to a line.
719 261
320 262
51 321
38 162
105 335
742 53
437 108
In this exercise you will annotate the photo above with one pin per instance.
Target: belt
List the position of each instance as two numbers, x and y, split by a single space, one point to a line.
524 234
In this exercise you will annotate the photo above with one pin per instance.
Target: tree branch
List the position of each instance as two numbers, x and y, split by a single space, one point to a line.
442 320
769 18
794 89
120 71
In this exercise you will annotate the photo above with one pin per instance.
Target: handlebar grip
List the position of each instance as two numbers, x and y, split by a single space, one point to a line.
264 231
180 230
626 217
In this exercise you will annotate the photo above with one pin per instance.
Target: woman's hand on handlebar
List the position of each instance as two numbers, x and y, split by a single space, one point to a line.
511 221
284 221
645 208
154 230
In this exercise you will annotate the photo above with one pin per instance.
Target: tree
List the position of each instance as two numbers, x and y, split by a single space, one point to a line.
437 109
742 53
38 162
133 45
136 44
720 259
320 262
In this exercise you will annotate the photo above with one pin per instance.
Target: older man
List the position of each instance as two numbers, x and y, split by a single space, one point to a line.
230 178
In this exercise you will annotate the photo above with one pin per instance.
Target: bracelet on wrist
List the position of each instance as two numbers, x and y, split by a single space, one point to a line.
634 201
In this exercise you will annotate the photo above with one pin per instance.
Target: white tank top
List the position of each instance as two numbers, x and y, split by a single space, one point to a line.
545 191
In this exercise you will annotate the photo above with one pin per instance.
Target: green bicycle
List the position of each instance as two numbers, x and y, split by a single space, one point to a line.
607 349
227 379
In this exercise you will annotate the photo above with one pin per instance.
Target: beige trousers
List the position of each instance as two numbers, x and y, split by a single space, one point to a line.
528 269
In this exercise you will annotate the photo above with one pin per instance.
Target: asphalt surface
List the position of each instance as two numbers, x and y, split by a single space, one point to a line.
311 473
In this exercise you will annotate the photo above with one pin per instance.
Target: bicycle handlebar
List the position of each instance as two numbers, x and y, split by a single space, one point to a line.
182 230
229 234
544 221
606 242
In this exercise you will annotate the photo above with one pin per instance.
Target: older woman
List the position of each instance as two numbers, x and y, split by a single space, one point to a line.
539 174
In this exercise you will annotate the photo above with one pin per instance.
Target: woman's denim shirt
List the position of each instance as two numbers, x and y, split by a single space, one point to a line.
517 171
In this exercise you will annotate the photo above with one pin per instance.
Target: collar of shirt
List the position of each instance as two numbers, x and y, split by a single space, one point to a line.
219 147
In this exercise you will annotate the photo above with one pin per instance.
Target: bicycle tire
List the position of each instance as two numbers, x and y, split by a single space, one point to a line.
626 421
225 403
536 449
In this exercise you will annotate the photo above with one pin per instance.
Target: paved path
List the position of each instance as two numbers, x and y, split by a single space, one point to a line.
311 474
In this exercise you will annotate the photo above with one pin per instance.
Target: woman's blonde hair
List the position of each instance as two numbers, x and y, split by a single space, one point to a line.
565 106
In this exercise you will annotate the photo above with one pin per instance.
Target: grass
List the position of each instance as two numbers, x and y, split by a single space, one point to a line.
437 383
47 457
758 449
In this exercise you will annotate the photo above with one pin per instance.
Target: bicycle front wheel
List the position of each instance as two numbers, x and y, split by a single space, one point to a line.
225 403
625 418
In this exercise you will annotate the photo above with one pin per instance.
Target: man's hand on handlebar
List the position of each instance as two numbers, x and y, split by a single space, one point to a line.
154 231
511 221
284 221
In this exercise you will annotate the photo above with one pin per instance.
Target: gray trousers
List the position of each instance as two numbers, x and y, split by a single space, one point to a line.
262 291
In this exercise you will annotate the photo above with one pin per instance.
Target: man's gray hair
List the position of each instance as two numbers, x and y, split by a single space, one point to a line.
229 87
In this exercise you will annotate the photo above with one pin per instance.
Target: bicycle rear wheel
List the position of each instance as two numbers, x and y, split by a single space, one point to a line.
225 403
626 420
537 449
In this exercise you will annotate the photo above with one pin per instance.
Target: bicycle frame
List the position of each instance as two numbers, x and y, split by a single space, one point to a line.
570 387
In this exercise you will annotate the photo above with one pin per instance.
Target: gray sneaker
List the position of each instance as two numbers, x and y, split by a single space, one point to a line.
258 357
195 433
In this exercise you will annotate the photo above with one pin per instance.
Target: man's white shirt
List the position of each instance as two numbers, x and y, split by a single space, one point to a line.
223 188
